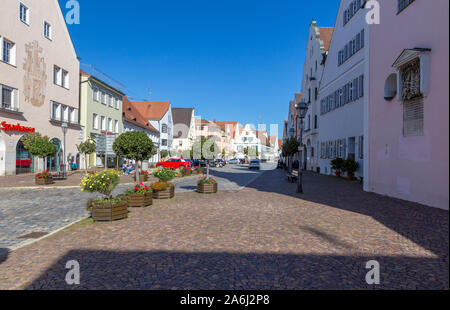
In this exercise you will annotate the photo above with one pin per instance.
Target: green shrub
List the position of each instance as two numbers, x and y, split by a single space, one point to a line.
103 182
165 175
350 166
336 164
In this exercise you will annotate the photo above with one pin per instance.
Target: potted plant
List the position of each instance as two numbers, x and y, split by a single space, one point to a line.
139 196
350 166
187 172
336 165
143 174
109 208
44 178
163 189
178 173
207 185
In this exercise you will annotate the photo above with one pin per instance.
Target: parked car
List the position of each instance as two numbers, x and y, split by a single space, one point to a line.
195 163
254 164
233 161
241 161
216 163
222 161
174 163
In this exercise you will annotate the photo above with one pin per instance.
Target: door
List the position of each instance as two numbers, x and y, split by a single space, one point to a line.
23 159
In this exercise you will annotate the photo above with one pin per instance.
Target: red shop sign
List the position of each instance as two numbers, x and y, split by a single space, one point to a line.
9 127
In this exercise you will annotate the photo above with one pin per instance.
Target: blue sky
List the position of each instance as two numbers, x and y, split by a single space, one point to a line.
231 60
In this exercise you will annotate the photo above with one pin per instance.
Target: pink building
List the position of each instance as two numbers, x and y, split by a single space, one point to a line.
409 102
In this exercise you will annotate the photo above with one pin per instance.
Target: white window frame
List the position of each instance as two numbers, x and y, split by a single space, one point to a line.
116 126
11 51
56 113
14 106
95 94
103 123
48 30
64 78
110 124
24 16
95 121
103 97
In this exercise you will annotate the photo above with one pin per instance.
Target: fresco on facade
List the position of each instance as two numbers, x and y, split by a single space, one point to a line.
35 79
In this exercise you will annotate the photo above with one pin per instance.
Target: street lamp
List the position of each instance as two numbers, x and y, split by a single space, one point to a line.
64 128
302 108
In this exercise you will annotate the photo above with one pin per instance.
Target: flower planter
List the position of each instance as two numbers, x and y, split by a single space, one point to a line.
46 181
140 200
207 188
164 194
338 174
109 212
187 172
350 176
142 178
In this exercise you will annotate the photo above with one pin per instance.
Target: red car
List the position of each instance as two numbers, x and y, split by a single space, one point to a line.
174 164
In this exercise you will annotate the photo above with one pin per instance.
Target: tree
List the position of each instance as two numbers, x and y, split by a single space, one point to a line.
290 148
205 149
87 148
223 153
39 146
164 153
251 151
134 145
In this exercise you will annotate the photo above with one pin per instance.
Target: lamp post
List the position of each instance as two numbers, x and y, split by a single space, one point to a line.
302 108
64 127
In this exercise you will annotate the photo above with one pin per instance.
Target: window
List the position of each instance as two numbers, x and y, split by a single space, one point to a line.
116 103
164 128
180 143
103 123
8 98
95 121
56 111
316 122
24 14
352 9
110 125
47 30
351 48
361 147
103 97
9 52
60 77
402 4
65 79
164 142
413 117
96 94
65 113
116 126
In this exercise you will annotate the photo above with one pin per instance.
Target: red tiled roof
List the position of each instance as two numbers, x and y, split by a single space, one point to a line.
326 33
231 125
132 115
280 143
152 110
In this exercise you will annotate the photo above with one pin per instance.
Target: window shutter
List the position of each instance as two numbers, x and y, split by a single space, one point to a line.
344 153
356 88
413 117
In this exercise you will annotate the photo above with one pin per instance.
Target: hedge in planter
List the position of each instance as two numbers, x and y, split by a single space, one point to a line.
207 186
109 208
139 196
336 165
164 189
44 178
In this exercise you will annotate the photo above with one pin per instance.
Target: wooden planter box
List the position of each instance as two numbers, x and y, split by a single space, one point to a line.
109 213
140 200
44 181
165 194
207 188
142 178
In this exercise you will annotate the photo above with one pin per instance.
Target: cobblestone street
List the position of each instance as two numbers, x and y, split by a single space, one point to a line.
261 237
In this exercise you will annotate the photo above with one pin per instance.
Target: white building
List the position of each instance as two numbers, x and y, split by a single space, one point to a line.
316 53
159 115
134 121
343 90
184 130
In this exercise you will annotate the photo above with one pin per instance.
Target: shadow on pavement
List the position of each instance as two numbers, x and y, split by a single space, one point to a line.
425 226
3 255
228 271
